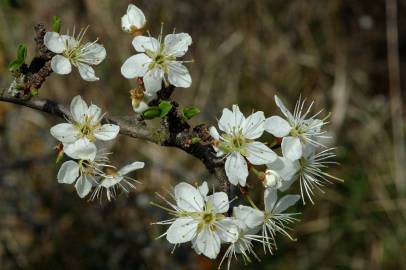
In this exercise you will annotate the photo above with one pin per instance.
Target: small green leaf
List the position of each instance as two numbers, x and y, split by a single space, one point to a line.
152 112
56 24
196 140
21 55
191 111
165 107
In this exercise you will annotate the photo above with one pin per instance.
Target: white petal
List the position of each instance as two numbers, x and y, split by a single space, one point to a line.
135 66
236 169
87 72
133 18
92 53
259 154
182 230
249 216
81 149
177 44
253 126
291 148
188 198
107 132
65 132
153 80
285 202
54 42
78 109
178 75
284 167
141 44
227 229
83 186
214 133
277 126
204 189
219 202
61 65
68 172
208 242
95 113
110 181
131 167
270 198
282 107
230 119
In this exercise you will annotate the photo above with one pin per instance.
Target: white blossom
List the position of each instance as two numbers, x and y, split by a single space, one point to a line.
113 180
156 61
83 171
134 20
83 129
200 219
71 50
237 143
298 129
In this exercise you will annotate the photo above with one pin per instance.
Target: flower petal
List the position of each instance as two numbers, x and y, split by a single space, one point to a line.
133 18
253 126
227 230
284 167
153 80
65 132
68 172
270 198
208 242
249 216
107 132
135 66
81 149
54 42
182 230
92 53
230 119
177 44
83 186
291 148
142 44
236 169
178 75
87 73
259 154
277 126
110 181
95 113
78 109
131 167
285 202
204 189
283 109
219 202
61 65
142 106
214 133
188 198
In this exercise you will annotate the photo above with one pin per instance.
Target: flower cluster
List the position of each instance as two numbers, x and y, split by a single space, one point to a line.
297 151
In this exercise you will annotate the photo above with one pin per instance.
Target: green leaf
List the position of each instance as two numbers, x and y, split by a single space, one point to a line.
191 111
152 112
56 24
165 107
21 55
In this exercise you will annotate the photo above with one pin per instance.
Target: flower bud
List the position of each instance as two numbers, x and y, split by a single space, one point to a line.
272 180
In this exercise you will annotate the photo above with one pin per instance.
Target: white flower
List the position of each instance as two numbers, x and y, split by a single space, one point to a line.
83 129
238 142
134 20
296 130
273 219
272 179
310 172
84 172
248 222
117 179
200 218
71 51
156 61
285 169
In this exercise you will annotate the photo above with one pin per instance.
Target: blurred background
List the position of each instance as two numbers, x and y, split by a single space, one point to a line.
341 53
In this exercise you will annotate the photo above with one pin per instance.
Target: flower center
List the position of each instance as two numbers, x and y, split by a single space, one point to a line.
208 218
87 128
